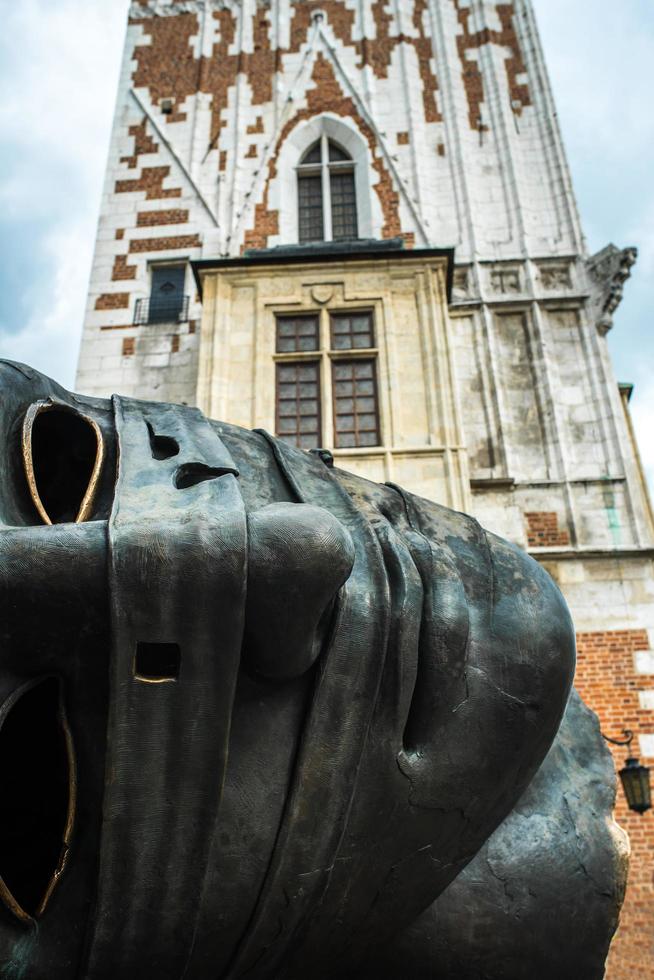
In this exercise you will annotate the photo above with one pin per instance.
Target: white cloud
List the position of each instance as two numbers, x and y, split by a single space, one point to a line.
49 341
60 65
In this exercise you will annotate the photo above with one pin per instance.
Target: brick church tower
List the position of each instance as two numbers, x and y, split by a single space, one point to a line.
351 222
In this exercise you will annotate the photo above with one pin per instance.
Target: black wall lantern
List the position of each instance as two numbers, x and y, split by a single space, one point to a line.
634 777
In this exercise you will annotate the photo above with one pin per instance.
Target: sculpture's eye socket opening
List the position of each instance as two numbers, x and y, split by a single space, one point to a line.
63 452
157 662
37 769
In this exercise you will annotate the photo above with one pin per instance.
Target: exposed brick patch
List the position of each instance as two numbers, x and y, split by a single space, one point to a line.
112 301
122 270
120 234
409 239
192 327
169 69
256 127
252 151
402 138
173 216
543 530
174 346
143 143
424 50
129 346
472 77
162 244
167 66
151 182
609 684
219 72
222 161
440 149
340 16
377 51
326 96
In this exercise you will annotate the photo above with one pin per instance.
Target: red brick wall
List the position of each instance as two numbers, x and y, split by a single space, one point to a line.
608 683
543 530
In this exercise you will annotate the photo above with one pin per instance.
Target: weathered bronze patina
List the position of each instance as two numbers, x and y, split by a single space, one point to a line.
279 708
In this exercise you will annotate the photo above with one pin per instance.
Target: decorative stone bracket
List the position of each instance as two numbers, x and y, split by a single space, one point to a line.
609 269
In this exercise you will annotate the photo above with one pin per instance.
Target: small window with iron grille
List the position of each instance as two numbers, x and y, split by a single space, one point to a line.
327 206
168 303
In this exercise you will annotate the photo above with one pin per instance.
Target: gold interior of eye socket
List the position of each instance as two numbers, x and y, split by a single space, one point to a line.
31 417
11 899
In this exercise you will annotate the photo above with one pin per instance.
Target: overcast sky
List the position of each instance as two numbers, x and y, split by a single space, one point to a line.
59 66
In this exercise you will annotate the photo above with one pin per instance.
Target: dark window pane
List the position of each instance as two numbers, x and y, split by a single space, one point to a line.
313 154
167 296
344 206
296 333
368 439
351 331
337 152
298 411
310 220
356 413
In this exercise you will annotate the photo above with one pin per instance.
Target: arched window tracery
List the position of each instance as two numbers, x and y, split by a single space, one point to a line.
326 193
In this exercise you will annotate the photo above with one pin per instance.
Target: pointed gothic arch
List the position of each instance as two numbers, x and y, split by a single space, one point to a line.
342 135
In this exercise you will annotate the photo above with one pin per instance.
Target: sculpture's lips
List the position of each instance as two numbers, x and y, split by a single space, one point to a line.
39 793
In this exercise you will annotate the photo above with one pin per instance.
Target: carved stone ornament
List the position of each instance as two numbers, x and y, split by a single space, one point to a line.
322 293
505 280
257 714
461 284
555 275
609 271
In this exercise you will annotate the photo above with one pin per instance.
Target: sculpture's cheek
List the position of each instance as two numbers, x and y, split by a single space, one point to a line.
299 556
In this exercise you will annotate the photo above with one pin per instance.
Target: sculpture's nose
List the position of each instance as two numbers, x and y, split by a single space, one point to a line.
299 556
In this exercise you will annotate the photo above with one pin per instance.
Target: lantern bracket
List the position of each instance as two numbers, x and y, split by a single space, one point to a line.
627 740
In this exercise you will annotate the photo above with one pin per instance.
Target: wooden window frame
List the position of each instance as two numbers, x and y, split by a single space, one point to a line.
279 317
339 314
325 356
372 360
325 168
297 362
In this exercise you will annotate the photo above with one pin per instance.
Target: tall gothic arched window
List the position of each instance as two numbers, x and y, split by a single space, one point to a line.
327 204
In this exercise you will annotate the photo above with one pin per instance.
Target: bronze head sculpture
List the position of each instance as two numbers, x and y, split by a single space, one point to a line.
256 713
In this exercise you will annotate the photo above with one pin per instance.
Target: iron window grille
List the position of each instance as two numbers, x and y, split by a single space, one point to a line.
148 311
